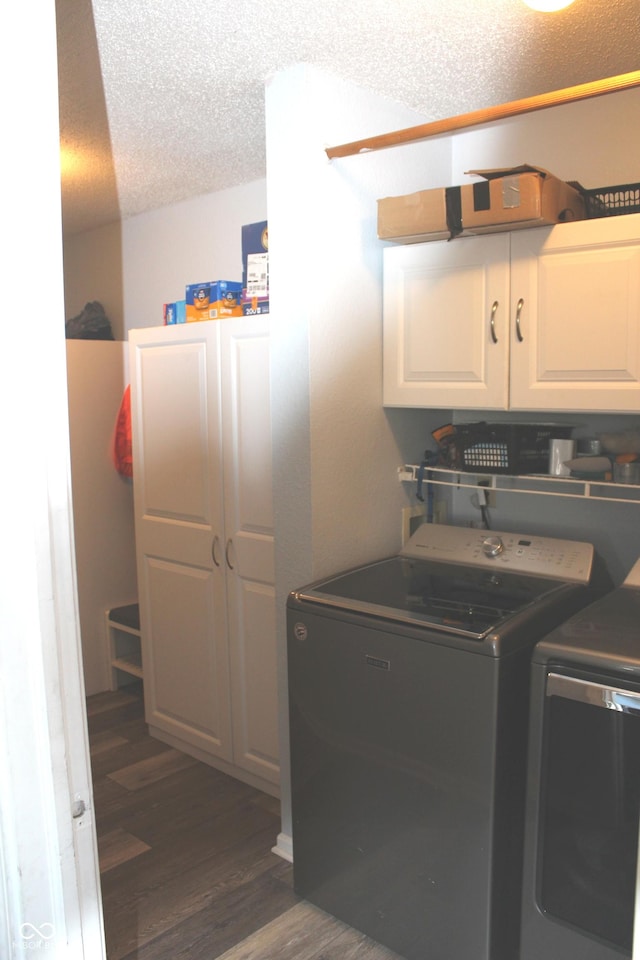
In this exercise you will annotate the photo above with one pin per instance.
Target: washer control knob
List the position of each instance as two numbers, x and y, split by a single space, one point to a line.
492 547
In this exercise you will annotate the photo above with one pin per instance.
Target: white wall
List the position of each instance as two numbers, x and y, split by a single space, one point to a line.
134 267
189 242
326 317
596 142
337 500
93 271
102 499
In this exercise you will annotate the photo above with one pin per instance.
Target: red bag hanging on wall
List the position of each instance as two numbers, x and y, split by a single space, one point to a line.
121 450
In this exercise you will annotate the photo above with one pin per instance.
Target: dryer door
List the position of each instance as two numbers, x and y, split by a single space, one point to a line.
590 802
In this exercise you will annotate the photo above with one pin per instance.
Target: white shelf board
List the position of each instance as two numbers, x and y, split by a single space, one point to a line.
536 484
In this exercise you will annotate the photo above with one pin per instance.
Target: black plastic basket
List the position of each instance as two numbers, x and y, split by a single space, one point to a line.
507 448
612 201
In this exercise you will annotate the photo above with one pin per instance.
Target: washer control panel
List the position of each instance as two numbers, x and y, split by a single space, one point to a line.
520 553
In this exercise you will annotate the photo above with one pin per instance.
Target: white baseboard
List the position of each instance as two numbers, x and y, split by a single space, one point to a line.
284 847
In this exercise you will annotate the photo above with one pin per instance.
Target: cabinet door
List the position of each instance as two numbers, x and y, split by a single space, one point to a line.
249 546
179 530
580 318
446 323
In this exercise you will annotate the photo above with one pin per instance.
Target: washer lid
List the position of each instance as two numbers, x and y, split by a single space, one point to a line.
465 600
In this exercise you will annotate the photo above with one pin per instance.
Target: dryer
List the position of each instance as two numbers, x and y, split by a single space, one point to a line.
583 785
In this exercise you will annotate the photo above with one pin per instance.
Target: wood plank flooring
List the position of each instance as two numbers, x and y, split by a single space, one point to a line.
186 866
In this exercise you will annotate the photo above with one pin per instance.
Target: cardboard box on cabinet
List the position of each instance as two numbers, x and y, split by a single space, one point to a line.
213 300
505 199
174 312
255 268
414 217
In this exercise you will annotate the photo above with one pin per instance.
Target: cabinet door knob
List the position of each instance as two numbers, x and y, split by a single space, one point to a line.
227 551
493 321
518 314
214 548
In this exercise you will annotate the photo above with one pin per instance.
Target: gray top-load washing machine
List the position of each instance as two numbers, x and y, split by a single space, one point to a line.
583 790
408 692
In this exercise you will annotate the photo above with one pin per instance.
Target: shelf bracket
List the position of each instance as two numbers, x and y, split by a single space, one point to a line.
407 473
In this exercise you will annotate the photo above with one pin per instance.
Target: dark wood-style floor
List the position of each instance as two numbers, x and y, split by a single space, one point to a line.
186 865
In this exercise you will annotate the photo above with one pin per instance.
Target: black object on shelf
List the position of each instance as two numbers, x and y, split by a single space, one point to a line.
612 201
510 448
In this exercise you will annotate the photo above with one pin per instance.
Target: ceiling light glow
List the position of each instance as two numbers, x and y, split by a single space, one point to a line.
548 6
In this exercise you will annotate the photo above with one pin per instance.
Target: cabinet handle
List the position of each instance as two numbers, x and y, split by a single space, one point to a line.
493 321
226 553
518 313
214 545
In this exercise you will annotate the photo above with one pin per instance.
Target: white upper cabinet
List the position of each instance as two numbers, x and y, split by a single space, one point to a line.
580 323
446 324
541 319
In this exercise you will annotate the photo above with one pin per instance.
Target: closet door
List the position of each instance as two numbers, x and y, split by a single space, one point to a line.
179 534
249 546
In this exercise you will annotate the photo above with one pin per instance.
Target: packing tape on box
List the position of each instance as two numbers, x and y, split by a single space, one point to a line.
481 195
510 193
453 204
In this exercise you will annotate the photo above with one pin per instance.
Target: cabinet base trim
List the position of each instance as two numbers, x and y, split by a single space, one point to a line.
229 768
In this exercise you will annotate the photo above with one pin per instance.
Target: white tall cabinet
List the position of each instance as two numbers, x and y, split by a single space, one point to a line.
204 541
539 319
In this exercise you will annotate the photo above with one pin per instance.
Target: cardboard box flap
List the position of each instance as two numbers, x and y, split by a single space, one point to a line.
508 172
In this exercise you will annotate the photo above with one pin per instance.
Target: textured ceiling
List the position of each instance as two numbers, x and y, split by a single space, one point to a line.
161 100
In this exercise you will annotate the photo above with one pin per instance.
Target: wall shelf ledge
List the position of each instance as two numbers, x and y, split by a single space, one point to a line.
537 484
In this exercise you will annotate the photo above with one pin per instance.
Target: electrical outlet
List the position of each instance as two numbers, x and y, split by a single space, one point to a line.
489 493
440 511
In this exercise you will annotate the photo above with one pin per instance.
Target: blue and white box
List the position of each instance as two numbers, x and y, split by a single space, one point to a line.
255 268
